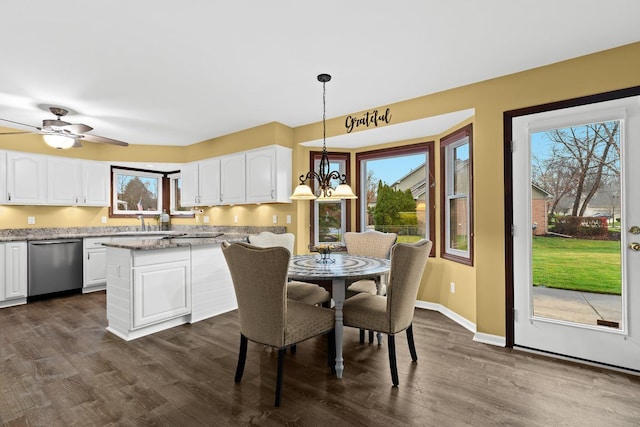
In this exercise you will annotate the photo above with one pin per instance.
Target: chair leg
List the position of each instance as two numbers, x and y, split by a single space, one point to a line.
293 349
331 351
370 337
279 376
361 336
391 343
242 357
412 346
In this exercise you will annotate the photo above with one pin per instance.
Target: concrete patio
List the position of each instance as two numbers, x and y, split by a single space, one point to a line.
576 306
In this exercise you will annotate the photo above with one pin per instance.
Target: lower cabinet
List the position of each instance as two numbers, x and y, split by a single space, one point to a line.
13 278
94 264
161 292
147 290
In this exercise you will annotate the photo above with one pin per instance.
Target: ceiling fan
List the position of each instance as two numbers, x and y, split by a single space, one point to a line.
60 134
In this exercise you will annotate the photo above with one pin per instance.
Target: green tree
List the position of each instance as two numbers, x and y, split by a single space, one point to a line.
393 207
135 191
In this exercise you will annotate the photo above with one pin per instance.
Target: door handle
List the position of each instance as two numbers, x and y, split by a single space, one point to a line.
634 246
634 229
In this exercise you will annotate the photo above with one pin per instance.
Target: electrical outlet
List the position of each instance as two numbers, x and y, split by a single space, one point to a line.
288 219
453 288
31 220
275 219
235 219
104 219
205 219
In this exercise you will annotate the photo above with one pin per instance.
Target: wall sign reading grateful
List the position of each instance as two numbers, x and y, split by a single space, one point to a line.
370 118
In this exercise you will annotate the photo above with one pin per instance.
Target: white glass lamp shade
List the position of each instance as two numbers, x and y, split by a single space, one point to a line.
303 192
59 141
343 191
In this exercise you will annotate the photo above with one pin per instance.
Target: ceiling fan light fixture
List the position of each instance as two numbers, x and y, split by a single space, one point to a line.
59 142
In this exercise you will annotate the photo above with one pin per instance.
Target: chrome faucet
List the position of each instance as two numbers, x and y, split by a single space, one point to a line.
141 218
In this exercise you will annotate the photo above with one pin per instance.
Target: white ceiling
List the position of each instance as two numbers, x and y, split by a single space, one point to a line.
176 73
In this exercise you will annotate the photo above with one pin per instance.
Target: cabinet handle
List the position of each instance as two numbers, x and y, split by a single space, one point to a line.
88 255
85 200
272 196
76 200
9 196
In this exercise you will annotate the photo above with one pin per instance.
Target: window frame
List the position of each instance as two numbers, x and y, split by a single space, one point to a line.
173 199
427 148
314 157
449 142
165 194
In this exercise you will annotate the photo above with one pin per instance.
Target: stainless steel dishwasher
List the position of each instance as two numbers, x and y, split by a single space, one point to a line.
54 266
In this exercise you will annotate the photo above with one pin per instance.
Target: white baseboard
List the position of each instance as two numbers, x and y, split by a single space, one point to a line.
465 323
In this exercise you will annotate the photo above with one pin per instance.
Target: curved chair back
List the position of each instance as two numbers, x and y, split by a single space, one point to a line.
408 261
370 243
266 239
263 308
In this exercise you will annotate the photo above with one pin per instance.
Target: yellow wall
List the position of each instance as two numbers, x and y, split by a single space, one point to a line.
480 290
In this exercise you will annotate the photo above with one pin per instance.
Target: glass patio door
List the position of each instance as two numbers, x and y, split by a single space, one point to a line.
576 267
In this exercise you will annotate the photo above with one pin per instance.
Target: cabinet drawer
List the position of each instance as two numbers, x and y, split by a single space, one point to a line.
95 242
160 256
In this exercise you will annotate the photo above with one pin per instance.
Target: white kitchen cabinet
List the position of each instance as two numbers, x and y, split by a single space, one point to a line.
73 182
268 172
200 183
94 264
63 181
95 183
26 178
232 179
13 259
147 290
3 176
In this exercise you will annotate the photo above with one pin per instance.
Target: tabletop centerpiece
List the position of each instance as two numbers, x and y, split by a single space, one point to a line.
325 254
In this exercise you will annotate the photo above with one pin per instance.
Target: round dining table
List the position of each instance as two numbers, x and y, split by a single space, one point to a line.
338 268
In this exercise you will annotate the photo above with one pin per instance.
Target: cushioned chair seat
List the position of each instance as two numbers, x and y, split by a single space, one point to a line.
367 311
305 321
307 293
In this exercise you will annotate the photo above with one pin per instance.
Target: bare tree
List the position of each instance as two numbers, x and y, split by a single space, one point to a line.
585 156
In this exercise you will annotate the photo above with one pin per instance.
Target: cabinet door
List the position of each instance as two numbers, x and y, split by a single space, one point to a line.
161 292
95 184
232 179
189 191
26 179
261 175
63 181
15 257
209 181
95 267
3 177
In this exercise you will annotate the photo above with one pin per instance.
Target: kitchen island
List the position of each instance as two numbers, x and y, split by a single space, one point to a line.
153 285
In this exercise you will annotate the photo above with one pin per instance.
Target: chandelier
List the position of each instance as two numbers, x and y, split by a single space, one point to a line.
324 176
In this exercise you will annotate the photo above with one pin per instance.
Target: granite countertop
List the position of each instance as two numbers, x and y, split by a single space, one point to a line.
231 233
177 241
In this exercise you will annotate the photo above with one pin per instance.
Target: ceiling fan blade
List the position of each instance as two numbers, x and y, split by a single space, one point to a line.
77 128
15 133
21 124
103 140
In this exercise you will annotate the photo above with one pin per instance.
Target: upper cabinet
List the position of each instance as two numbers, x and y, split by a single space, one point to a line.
95 182
200 183
77 182
268 175
232 179
26 178
34 179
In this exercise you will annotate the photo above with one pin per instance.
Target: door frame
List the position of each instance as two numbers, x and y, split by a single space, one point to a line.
508 116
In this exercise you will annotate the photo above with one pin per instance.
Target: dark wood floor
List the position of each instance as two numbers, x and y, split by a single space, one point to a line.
58 366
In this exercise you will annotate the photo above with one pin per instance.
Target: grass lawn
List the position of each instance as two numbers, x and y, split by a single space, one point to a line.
580 265
409 239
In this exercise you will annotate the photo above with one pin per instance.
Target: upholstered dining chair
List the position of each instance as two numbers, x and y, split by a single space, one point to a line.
392 313
370 243
267 316
307 293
